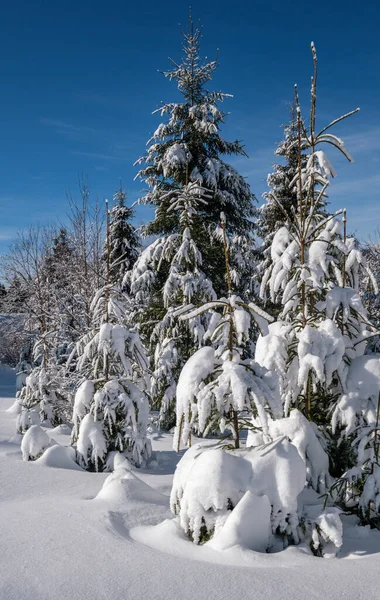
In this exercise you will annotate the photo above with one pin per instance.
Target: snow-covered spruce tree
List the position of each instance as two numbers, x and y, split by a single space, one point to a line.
169 272
314 274
43 397
124 244
189 148
281 200
111 404
218 383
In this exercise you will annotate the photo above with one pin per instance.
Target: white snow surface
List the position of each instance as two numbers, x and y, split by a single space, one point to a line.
62 539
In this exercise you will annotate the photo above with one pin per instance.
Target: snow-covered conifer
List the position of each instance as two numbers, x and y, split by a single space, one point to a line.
188 148
168 276
186 155
314 274
219 384
124 242
281 200
310 271
111 404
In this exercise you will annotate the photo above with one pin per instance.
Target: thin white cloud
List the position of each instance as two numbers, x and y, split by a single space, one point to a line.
69 129
361 186
101 156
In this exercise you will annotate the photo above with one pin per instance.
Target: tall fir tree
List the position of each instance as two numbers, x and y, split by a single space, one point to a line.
189 148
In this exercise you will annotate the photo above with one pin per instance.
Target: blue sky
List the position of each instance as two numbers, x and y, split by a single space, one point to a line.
80 81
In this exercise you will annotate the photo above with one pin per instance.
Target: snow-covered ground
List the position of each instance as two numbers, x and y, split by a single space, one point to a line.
65 536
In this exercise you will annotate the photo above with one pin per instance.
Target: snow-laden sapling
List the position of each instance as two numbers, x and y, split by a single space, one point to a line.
358 414
42 397
111 404
314 275
34 442
218 384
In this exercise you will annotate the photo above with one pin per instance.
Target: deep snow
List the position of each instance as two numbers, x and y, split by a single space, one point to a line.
66 535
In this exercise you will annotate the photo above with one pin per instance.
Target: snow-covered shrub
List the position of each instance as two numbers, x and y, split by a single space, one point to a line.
34 443
321 525
209 482
42 393
116 421
29 399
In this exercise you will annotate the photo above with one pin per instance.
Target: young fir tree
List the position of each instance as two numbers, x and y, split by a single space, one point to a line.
170 273
281 201
111 404
189 148
314 274
123 239
219 384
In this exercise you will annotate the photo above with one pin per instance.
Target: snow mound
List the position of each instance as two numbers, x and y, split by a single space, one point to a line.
248 525
118 460
15 409
326 528
62 429
34 443
59 457
122 487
